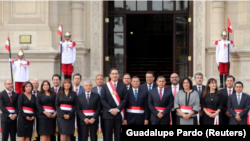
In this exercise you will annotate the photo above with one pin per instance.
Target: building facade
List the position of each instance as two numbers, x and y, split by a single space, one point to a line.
132 36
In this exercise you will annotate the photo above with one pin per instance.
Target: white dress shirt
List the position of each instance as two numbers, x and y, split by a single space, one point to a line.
231 91
162 91
237 96
88 93
134 91
77 89
150 85
177 88
198 88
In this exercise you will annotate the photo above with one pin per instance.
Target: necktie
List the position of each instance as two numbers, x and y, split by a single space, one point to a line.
76 90
174 91
99 91
199 90
160 93
238 99
88 98
115 85
229 93
34 92
56 90
128 88
136 95
10 96
149 88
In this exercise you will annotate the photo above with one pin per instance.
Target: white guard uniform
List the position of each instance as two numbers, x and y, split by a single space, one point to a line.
222 50
22 70
68 52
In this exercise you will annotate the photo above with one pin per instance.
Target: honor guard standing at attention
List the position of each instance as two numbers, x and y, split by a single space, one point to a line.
21 66
68 55
222 55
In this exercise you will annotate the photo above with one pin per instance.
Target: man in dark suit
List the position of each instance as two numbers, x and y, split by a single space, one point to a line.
99 80
229 90
56 80
150 84
35 92
160 102
136 111
79 90
8 105
88 112
113 99
238 105
127 80
198 77
175 87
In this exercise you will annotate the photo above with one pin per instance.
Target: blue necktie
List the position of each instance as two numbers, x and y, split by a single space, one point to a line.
99 91
136 95
238 99
149 88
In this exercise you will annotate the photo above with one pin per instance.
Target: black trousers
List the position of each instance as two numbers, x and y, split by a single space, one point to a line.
173 114
9 128
160 122
109 125
135 123
85 132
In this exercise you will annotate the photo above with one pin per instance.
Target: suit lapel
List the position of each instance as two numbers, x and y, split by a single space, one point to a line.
164 94
90 99
7 95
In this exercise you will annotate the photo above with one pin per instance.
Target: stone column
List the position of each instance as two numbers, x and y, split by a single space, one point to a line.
218 20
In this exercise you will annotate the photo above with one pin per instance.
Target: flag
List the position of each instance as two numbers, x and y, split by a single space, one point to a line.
59 30
230 29
7 44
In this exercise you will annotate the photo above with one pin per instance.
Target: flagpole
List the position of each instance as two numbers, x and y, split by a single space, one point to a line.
11 65
61 52
228 47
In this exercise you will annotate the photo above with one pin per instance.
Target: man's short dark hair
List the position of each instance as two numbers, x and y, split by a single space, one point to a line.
127 74
113 69
135 77
77 74
238 82
230 76
150 72
56 75
159 77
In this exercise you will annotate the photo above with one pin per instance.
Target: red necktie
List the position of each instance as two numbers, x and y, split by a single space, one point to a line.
10 96
76 90
34 92
160 93
229 93
174 91
56 90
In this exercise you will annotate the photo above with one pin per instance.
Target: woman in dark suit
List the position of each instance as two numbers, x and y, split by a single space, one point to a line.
66 104
45 104
27 110
212 103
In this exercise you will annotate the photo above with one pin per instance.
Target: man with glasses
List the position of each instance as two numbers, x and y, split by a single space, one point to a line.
8 105
174 79
113 99
198 77
150 84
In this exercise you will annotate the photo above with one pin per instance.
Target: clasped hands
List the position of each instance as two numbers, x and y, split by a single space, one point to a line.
66 116
13 116
114 111
50 115
89 121
30 118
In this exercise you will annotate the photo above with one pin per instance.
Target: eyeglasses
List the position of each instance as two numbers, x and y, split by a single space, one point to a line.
9 83
114 73
174 77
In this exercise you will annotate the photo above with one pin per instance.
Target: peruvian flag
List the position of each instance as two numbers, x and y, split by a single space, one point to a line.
230 29
59 30
7 44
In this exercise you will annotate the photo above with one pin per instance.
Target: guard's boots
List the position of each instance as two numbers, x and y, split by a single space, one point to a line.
225 80
69 76
221 80
66 76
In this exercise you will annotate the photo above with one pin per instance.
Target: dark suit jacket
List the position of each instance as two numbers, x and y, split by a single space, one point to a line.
203 89
108 102
142 101
5 102
244 105
154 100
94 89
58 90
94 104
145 86
224 93
81 90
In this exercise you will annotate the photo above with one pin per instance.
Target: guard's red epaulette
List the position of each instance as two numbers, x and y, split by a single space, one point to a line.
231 41
63 41
16 59
28 62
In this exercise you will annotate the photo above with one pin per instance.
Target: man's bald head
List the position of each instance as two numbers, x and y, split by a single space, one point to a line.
8 84
174 78
35 84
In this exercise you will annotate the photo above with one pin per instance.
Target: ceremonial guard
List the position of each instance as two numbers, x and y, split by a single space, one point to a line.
222 55
21 66
68 55
8 105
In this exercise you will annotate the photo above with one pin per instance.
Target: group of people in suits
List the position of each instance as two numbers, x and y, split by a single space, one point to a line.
83 110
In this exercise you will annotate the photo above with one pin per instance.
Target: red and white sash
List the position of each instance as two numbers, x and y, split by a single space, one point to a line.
216 119
186 109
239 111
115 96
49 109
135 109
88 112
28 110
161 109
12 110
66 107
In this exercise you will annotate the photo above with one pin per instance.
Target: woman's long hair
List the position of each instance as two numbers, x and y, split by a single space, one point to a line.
207 89
42 90
67 80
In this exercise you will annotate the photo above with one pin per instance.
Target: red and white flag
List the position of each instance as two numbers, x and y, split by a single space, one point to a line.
230 29
7 44
59 30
